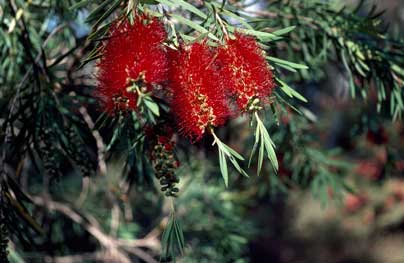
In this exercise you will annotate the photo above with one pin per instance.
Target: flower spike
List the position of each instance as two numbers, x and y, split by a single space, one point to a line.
198 98
245 72
248 77
133 55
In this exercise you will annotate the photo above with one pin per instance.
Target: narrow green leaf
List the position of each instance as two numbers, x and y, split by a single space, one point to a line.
399 70
287 63
348 69
233 152
113 139
97 12
237 166
179 236
284 31
263 36
166 239
224 151
194 25
153 106
80 4
184 5
149 2
256 134
107 13
232 15
265 144
260 154
223 168
290 92
186 37
287 68
269 146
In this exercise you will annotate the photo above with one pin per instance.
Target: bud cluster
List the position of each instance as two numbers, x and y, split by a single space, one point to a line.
163 159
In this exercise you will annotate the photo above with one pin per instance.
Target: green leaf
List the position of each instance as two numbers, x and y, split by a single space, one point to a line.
260 153
287 63
284 31
287 68
290 92
226 152
167 238
114 138
270 148
263 36
173 238
223 168
97 12
187 38
233 152
399 70
194 25
348 69
107 13
149 2
256 134
179 236
184 5
265 143
231 15
153 106
80 4
237 166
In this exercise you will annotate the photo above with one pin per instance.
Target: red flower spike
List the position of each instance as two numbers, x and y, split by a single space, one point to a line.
131 53
198 95
245 71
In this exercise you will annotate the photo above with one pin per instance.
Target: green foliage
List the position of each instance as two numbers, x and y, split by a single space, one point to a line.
355 40
265 144
225 152
214 223
172 240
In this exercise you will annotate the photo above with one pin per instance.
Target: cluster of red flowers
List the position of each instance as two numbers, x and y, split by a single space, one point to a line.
133 53
245 71
198 95
199 77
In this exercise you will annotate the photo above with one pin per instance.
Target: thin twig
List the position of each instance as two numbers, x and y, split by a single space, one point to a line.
102 166
117 248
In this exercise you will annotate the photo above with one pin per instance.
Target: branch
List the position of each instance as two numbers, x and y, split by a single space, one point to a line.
98 139
116 248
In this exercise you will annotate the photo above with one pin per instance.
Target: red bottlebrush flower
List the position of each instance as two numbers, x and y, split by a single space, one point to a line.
245 70
131 53
198 99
